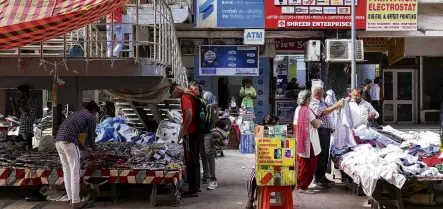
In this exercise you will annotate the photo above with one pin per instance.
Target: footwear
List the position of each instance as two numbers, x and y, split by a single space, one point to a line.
205 181
213 185
328 182
78 205
190 194
320 183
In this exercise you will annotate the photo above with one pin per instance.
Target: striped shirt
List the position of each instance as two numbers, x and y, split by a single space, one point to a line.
318 106
75 124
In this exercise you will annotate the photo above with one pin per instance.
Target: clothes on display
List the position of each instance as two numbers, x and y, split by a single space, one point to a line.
342 139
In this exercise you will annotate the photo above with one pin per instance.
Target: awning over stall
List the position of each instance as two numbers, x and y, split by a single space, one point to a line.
28 22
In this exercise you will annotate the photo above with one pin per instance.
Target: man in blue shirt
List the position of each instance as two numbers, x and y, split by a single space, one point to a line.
67 144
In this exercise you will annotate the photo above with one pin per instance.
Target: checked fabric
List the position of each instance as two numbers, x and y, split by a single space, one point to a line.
24 22
31 177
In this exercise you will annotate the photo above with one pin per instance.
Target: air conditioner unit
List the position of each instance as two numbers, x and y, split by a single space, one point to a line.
339 50
313 51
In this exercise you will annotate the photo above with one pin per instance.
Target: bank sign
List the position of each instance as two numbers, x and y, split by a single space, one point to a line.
229 61
229 13
313 14
254 37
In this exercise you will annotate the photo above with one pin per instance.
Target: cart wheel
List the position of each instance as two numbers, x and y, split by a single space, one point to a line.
176 202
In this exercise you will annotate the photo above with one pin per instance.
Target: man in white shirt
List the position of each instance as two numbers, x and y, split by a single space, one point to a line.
361 110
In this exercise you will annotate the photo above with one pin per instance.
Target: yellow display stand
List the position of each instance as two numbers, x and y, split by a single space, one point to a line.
275 157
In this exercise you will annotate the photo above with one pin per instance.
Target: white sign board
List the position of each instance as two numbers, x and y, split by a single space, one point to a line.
254 37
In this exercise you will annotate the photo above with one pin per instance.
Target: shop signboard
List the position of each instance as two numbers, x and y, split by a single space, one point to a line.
229 13
375 44
313 14
254 37
393 15
290 45
229 61
396 50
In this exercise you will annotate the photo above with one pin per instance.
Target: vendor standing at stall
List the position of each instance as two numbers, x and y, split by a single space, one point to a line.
190 135
247 95
67 144
322 111
26 113
361 110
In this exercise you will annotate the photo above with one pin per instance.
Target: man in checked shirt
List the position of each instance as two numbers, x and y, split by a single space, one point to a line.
67 144
26 114
322 111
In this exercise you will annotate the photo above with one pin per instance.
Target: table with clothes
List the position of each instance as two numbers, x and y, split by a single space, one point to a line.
387 159
115 162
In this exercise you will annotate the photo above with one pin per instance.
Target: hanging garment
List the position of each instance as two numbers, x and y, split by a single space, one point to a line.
331 100
342 138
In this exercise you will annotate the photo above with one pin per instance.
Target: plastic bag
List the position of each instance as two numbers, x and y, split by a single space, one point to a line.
168 132
46 144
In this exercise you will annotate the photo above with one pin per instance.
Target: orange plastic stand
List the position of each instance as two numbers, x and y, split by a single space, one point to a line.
286 191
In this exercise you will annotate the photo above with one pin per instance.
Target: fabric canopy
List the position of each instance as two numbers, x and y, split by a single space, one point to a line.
24 22
154 95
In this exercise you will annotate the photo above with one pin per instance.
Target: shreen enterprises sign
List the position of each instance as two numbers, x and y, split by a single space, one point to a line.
391 15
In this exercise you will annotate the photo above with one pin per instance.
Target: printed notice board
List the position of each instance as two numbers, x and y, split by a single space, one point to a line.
275 151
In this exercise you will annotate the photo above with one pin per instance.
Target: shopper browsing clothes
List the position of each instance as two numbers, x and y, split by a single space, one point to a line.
308 142
68 147
361 111
247 95
207 146
25 110
322 111
190 135
376 96
367 91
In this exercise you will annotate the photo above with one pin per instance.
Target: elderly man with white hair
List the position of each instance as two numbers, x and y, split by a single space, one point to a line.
323 111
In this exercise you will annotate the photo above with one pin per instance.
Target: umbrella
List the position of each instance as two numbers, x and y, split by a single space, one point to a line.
24 22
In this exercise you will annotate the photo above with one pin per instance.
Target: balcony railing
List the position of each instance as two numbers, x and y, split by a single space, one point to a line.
149 32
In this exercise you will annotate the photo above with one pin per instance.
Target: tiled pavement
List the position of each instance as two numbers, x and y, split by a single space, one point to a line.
233 171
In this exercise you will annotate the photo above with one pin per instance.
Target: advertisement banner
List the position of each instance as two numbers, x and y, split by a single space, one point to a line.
276 151
262 86
205 81
393 15
229 61
313 14
229 13
396 50
375 44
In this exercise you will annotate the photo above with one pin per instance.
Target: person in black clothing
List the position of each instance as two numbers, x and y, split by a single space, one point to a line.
292 85
367 91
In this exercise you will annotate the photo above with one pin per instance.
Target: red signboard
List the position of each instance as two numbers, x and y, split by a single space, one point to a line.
313 14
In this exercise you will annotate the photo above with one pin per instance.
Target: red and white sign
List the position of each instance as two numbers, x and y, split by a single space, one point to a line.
290 45
313 14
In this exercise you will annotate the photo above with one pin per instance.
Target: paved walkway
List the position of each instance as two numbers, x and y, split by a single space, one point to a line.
233 172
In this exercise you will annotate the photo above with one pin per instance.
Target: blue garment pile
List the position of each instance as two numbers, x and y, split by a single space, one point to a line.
421 153
117 130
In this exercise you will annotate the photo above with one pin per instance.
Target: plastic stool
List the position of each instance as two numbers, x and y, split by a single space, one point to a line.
286 191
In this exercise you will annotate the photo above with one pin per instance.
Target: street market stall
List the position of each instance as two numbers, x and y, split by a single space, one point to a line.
390 160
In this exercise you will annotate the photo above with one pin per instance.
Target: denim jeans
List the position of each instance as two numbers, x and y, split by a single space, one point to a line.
117 36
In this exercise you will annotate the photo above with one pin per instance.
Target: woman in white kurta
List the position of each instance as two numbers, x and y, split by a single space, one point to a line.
308 143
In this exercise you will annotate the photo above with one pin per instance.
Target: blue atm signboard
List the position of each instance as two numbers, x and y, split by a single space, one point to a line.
229 14
229 61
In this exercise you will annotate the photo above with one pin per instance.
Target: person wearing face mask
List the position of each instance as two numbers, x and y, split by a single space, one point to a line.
361 110
68 148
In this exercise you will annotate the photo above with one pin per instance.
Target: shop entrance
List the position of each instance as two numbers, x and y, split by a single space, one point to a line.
399 93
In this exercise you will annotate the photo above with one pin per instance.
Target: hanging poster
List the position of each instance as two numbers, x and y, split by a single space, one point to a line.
393 15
